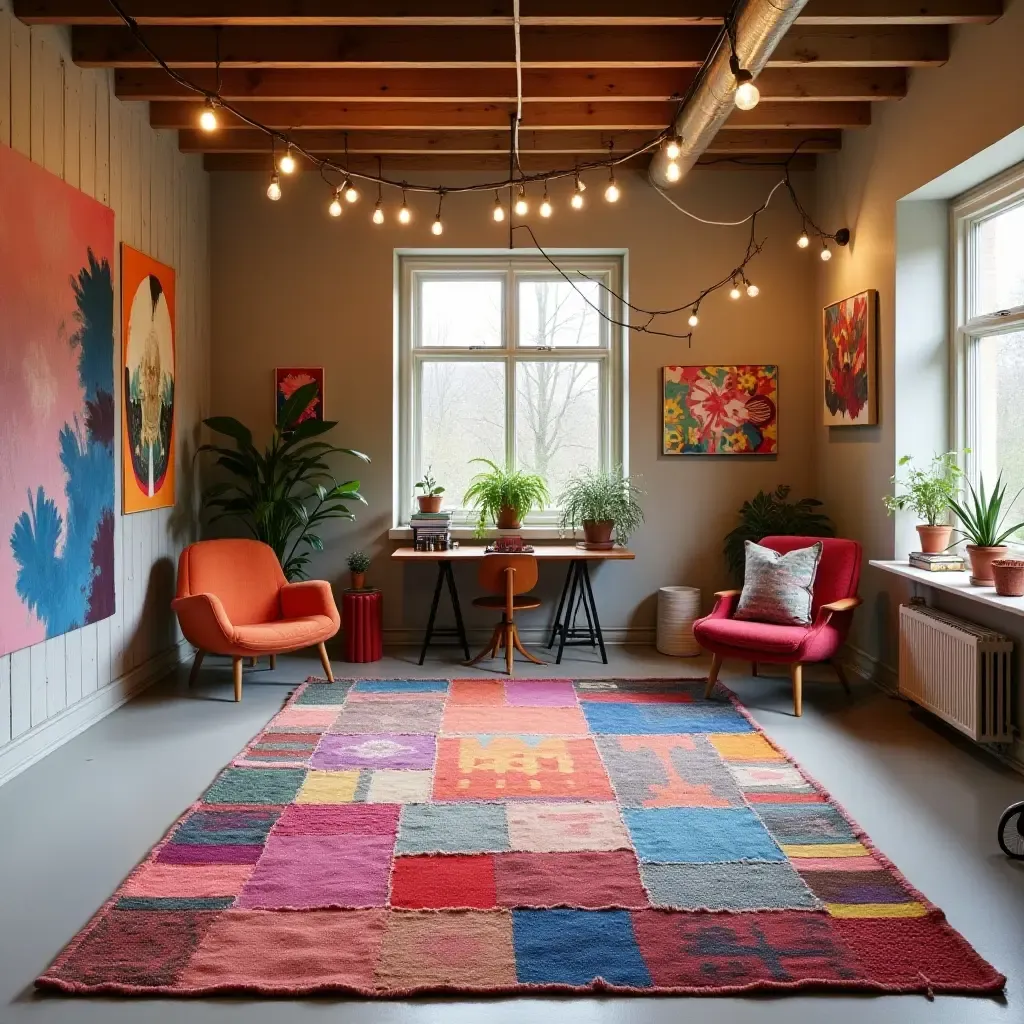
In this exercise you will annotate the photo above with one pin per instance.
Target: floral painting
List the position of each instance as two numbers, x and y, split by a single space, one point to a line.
849 341
147 419
56 406
721 410
287 380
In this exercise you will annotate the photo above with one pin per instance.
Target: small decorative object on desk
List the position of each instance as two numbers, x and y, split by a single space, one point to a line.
678 609
508 545
358 562
431 531
944 562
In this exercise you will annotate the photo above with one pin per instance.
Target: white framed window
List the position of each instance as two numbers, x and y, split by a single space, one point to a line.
499 357
988 341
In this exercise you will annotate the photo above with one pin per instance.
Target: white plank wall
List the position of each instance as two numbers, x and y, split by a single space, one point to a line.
68 120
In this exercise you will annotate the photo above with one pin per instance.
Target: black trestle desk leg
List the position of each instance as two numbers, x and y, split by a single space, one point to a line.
441 577
564 627
561 605
454 594
593 608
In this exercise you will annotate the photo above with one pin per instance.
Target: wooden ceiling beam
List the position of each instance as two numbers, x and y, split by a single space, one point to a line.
488 116
433 47
498 85
578 143
409 167
361 13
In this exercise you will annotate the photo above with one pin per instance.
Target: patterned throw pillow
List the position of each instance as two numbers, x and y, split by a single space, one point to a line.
778 588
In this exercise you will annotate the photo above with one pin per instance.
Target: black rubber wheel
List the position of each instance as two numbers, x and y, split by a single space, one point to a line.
1011 831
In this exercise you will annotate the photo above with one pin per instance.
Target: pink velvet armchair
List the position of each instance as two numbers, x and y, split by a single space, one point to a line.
834 599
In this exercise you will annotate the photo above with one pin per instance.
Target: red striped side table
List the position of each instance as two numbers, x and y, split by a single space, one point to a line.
362 619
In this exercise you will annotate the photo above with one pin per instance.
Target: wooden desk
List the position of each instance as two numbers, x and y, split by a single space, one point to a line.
576 592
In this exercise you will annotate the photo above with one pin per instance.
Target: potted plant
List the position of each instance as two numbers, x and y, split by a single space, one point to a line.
358 562
430 499
982 525
771 514
504 496
283 493
1008 575
601 502
929 494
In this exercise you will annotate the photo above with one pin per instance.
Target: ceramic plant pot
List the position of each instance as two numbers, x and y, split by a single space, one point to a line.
358 580
981 563
508 518
1008 574
429 502
597 533
934 539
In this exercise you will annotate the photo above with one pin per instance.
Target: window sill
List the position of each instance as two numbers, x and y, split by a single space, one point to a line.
461 533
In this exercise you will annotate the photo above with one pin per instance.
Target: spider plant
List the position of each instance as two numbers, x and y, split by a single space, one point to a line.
505 496
983 520
596 496
283 494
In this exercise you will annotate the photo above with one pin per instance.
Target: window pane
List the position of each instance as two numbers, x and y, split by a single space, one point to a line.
1000 416
554 313
461 417
999 262
460 313
557 419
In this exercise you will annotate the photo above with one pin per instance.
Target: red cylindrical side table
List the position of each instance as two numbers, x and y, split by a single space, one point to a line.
361 619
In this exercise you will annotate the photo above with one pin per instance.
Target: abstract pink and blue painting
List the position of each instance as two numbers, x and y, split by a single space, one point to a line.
56 406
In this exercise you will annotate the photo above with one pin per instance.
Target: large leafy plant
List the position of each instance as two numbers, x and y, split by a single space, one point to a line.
601 496
285 493
929 492
496 488
772 515
983 520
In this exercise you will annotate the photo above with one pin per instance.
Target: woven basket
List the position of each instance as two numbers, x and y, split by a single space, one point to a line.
678 608
1008 574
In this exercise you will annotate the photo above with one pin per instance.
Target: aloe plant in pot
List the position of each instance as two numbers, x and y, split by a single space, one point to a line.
601 502
505 496
928 493
983 526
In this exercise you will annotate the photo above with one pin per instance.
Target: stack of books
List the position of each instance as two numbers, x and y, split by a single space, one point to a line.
431 531
944 561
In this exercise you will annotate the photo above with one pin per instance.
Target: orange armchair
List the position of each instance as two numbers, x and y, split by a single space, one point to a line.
233 599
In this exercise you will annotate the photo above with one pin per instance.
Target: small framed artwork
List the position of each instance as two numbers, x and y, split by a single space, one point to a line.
720 410
849 346
288 380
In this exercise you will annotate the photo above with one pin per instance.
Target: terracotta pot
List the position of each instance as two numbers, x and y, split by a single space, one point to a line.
508 518
1008 574
429 502
981 563
597 533
358 580
934 539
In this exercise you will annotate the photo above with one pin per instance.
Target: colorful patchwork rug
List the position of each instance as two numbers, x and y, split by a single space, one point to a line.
392 837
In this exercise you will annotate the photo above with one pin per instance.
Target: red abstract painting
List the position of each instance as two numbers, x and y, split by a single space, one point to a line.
849 341
288 379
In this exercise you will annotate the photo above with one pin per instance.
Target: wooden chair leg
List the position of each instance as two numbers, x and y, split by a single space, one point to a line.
796 673
510 649
273 661
326 662
490 650
753 668
197 661
522 650
716 667
236 667
253 662
843 678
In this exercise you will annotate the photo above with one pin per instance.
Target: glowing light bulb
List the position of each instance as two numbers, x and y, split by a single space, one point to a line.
693 319
437 227
752 290
672 171
522 207
499 211
378 212
286 165
611 193
803 241
274 188
673 148
747 95
826 254
545 206
734 292
404 216
577 200
351 192
335 208
208 118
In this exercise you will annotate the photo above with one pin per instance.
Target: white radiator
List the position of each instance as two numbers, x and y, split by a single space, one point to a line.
957 670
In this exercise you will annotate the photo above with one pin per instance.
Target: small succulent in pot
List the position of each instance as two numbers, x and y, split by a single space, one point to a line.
358 562
929 493
983 526
601 502
430 499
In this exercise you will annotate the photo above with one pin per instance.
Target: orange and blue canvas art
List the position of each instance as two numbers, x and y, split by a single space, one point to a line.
720 410
57 416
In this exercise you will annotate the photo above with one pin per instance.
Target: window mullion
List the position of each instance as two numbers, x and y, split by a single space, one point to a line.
511 345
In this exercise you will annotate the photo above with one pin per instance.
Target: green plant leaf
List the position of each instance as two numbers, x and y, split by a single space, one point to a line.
231 427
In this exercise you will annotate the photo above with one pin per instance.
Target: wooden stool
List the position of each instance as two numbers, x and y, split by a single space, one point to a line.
508 577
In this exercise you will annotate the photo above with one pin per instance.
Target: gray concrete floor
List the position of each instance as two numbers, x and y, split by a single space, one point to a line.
76 823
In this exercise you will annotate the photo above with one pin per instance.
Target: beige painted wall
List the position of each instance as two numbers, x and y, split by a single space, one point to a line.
292 286
949 115
68 121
